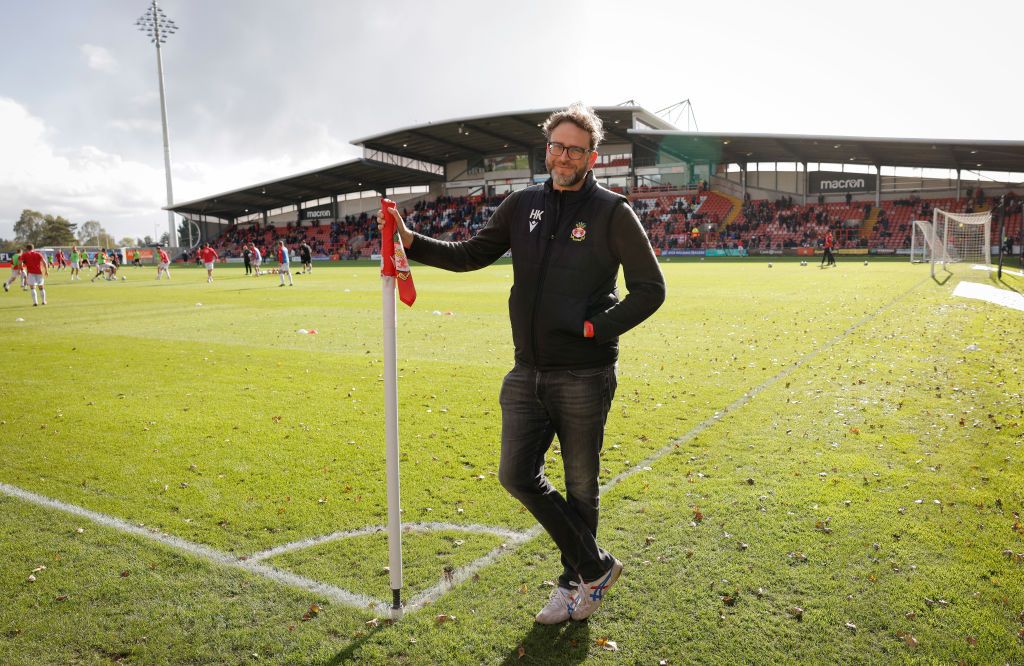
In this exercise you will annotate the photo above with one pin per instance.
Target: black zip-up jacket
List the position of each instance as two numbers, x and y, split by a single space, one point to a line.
567 247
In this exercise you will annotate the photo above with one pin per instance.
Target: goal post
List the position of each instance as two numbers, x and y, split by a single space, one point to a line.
960 237
922 236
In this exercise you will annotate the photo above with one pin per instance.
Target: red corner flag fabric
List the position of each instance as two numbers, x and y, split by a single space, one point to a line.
393 259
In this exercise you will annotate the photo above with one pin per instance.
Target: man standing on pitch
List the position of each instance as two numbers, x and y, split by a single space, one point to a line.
284 263
163 266
34 264
827 255
208 255
17 272
306 254
568 239
247 258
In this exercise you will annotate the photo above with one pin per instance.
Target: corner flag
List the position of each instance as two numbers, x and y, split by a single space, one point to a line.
393 255
394 268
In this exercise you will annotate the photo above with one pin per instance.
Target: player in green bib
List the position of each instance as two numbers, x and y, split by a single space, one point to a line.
75 257
16 272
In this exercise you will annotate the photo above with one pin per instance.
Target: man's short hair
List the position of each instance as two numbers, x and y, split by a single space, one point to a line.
581 116
29 247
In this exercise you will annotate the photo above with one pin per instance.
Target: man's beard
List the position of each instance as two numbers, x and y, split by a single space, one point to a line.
567 180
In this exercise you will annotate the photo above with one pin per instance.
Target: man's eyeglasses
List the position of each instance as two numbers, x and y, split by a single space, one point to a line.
575 152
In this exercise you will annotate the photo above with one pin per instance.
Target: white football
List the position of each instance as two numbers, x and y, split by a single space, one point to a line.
769 265
865 263
124 277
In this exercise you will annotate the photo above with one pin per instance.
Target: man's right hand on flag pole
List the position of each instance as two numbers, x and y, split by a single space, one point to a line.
403 232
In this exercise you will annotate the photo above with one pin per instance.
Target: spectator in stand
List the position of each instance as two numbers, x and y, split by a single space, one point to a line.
208 256
849 198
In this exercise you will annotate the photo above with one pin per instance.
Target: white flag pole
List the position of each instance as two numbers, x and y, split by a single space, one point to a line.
391 438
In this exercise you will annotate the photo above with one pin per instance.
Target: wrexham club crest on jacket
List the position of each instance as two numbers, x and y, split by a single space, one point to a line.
579 232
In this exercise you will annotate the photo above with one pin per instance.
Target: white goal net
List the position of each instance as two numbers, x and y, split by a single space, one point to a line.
952 238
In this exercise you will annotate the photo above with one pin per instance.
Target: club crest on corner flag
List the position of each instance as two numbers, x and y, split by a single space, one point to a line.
393 260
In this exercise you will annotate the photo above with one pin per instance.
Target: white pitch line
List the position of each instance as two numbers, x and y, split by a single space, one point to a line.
312 541
990 269
363 531
462 574
742 401
325 590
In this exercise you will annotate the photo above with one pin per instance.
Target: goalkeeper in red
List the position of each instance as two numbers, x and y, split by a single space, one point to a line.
568 239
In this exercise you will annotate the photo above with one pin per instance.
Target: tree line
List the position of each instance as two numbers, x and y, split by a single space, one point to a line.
44 230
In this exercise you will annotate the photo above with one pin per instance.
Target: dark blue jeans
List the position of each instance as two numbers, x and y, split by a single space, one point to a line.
572 404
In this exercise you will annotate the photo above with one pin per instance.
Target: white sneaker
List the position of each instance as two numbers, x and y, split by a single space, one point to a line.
557 609
588 597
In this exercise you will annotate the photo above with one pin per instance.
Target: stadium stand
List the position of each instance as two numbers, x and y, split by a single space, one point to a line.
673 219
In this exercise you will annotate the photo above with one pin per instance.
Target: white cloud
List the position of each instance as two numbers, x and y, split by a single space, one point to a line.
135 125
80 183
87 182
99 58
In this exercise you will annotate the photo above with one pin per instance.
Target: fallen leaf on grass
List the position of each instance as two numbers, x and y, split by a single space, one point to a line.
62 597
41 567
521 651
373 623
909 640
442 618
606 644
313 611
972 641
851 626
796 612
275 419
31 578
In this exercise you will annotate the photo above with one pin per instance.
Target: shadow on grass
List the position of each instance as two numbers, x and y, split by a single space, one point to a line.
995 280
566 643
348 655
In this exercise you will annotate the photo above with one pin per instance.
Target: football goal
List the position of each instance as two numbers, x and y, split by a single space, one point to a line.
952 238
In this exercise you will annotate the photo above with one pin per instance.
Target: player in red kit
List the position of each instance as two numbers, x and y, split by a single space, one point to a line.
165 264
828 243
208 255
35 270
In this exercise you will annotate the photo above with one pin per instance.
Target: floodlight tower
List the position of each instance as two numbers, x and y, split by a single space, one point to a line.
155 24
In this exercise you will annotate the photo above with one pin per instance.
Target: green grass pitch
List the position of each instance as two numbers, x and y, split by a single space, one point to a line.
818 466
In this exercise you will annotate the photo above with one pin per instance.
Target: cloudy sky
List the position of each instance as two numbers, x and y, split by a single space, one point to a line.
259 89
